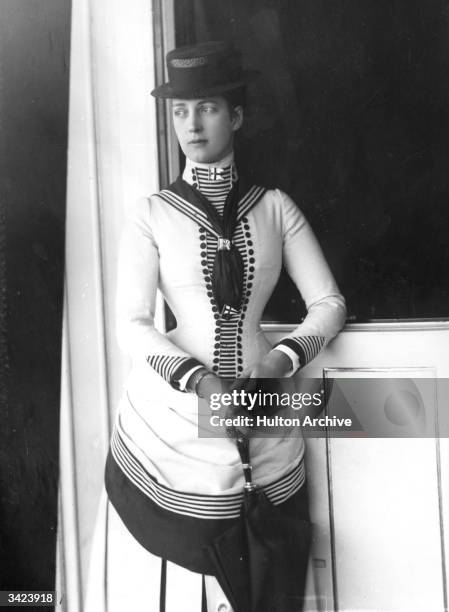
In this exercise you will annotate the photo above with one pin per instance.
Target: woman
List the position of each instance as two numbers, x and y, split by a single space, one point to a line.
214 246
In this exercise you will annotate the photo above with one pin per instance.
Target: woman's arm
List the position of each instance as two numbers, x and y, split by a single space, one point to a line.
137 282
326 309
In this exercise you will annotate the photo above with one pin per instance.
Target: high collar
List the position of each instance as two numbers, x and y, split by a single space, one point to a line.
216 171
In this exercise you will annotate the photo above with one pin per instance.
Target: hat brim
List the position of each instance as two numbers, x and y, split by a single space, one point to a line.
167 91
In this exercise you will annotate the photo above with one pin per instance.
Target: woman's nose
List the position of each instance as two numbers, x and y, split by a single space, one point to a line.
194 123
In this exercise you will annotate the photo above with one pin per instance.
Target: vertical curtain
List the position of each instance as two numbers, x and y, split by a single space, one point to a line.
112 161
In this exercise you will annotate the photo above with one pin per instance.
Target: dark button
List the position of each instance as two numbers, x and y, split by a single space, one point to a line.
249 243
203 254
247 234
207 278
239 353
210 294
215 368
240 369
204 262
195 184
206 271
245 301
216 316
251 252
249 285
251 277
203 245
251 269
216 352
239 360
217 337
216 360
217 345
252 260
245 219
214 309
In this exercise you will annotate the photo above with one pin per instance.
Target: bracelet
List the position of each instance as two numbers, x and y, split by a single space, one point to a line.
196 378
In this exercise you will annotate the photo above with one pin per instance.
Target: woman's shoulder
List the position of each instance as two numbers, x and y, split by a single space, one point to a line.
141 215
143 208
284 211
283 202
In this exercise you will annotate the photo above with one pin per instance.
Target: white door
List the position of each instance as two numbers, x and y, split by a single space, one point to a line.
379 505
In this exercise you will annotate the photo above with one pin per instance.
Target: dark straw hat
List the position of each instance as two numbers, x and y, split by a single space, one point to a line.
205 69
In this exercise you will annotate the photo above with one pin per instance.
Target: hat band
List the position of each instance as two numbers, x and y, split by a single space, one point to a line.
199 77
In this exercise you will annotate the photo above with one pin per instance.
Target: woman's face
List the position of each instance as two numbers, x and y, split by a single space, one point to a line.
205 127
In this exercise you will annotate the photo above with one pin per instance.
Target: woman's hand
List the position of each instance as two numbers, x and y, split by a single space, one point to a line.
263 376
211 384
274 364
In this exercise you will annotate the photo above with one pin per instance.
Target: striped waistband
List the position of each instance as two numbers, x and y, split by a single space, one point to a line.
194 504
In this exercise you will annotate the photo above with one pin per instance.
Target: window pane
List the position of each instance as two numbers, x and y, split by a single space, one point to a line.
349 116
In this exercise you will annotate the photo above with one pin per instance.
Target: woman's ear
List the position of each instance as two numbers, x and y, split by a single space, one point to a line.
237 117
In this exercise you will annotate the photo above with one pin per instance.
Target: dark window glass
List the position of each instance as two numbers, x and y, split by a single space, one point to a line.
350 117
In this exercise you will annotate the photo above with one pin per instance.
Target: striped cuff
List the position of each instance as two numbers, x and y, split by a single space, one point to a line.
292 356
305 347
174 370
185 379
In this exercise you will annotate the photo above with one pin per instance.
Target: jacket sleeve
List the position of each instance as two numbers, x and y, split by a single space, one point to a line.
137 282
307 267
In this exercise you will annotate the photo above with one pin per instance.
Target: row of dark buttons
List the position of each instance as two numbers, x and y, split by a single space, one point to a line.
207 278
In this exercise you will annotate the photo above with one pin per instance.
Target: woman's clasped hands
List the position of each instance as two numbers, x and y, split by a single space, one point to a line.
264 376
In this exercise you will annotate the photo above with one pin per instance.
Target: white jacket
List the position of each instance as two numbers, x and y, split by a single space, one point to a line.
164 248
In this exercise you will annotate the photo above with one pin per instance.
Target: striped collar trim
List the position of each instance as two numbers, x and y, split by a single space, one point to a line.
211 170
249 200
188 209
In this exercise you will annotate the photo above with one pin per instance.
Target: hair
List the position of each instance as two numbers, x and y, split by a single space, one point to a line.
235 97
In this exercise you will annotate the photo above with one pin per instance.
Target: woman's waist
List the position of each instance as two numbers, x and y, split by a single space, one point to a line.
223 332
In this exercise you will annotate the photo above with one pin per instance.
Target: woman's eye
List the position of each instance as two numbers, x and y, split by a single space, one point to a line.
179 113
208 109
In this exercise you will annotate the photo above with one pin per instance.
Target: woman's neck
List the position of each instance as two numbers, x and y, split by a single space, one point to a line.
214 180
222 163
203 176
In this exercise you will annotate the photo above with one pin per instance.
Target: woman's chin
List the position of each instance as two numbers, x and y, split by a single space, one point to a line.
200 157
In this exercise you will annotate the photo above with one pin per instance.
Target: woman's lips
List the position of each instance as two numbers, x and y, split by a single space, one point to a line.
197 142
